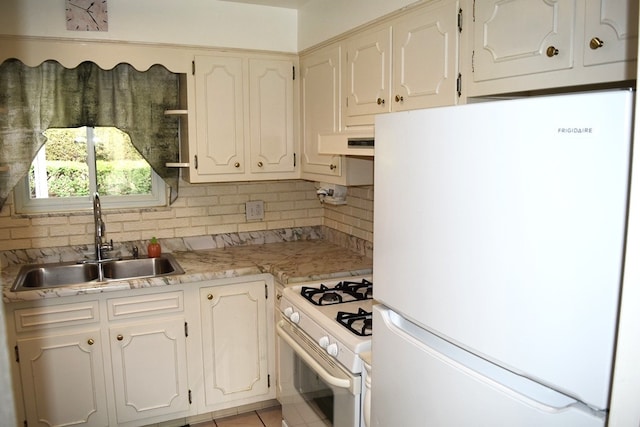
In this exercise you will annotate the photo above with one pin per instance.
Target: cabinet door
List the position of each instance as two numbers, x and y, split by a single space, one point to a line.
235 341
611 31
425 64
63 379
219 116
272 144
518 37
368 74
149 369
320 74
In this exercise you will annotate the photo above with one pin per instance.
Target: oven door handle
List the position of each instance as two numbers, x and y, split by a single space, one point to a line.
326 376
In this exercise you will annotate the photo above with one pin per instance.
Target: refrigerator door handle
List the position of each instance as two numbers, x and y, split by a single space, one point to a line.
517 386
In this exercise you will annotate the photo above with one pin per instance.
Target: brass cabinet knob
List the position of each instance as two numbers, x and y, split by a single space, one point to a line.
399 98
209 297
332 167
259 164
90 341
119 337
237 164
596 43
552 51
380 101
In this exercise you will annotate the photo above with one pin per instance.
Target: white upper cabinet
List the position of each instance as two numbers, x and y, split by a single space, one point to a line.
219 142
522 37
611 31
244 120
368 83
410 63
521 45
320 75
425 58
320 81
272 147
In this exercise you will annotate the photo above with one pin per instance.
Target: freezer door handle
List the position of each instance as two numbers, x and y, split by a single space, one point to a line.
517 386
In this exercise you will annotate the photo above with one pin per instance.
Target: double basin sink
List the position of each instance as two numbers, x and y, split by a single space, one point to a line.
44 276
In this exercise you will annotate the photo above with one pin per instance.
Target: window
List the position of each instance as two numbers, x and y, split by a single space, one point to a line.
76 162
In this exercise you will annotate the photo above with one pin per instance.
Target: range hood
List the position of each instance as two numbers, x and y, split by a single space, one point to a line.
350 142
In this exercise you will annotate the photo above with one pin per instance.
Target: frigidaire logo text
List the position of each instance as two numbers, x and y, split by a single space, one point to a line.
575 130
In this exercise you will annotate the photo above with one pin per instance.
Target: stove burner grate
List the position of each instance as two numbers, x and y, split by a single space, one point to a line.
359 323
345 291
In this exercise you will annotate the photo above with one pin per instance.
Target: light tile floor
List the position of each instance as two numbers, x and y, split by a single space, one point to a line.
268 417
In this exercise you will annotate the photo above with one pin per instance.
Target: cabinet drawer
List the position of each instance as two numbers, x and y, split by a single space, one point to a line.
56 315
145 305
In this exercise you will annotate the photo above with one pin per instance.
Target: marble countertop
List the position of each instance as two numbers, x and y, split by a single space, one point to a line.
288 262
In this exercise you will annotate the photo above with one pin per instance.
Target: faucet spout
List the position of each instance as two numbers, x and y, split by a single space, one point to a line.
99 225
100 246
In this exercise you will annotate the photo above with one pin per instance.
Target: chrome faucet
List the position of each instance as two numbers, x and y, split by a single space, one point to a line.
101 247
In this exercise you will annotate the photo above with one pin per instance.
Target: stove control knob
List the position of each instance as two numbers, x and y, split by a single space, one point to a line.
288 312
323 341
332 349
295 317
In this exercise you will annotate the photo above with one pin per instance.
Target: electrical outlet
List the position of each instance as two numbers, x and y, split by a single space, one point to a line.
255 210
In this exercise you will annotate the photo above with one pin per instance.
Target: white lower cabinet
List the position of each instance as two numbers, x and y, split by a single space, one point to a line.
236 345
63 380
147 343
149 369
60 362
140 357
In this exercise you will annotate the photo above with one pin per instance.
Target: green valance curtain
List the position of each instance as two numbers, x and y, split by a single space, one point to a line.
33 99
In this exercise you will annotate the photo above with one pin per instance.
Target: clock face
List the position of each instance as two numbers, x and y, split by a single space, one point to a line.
87 15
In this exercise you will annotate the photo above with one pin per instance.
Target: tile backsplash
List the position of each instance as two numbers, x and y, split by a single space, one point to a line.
201 210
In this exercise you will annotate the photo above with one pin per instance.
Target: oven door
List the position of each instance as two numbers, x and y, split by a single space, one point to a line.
314 389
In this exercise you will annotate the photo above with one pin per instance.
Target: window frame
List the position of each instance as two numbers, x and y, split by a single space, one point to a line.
24 204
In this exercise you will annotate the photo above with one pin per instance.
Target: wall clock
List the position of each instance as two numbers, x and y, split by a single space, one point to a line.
87 15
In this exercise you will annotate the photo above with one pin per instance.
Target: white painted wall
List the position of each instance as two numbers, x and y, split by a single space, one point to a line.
209 23
319 20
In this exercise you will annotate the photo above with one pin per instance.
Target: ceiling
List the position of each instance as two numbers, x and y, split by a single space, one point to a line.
289 4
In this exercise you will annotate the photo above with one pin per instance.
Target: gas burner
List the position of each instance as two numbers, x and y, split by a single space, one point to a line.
345 291
359 323
361 290
330 298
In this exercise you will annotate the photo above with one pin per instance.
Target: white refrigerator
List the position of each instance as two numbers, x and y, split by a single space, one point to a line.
499 236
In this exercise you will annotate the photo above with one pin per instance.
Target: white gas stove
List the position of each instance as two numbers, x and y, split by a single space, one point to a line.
336 315
324 327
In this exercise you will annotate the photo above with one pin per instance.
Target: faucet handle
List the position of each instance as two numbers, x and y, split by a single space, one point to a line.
104 248
135 252
107 246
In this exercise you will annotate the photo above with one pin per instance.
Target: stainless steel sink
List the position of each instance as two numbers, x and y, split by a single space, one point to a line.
141 267
53 275
43 276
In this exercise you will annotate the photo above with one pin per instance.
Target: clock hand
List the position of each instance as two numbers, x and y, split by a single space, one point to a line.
85 9
92 18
